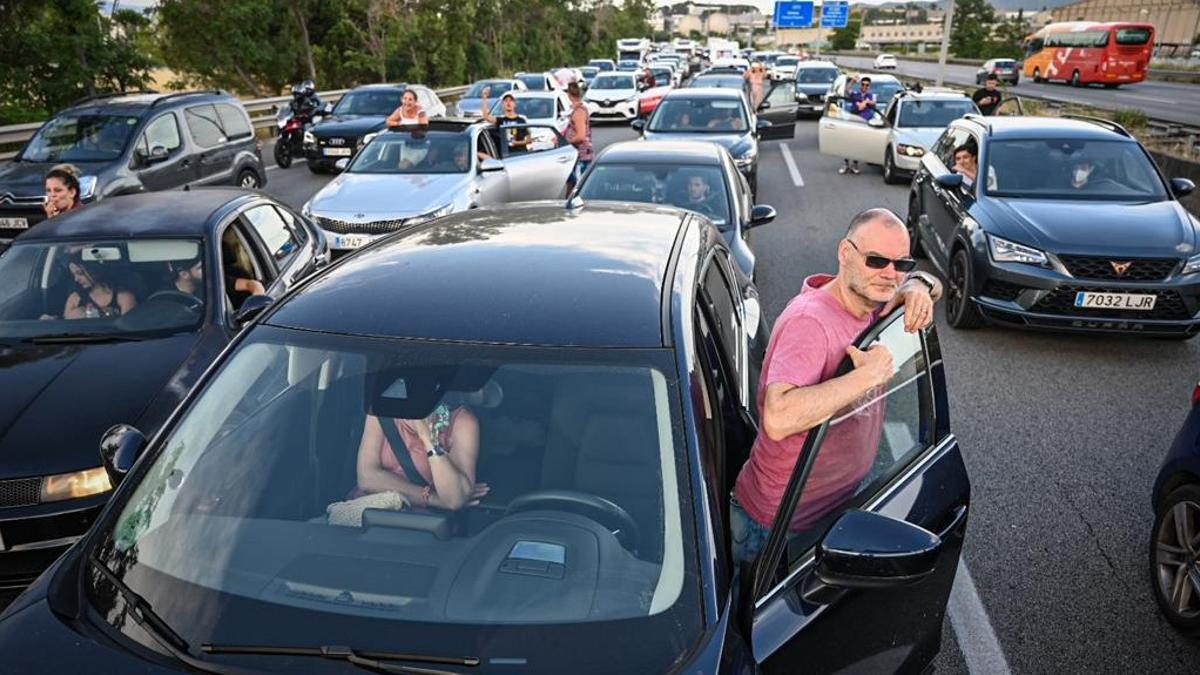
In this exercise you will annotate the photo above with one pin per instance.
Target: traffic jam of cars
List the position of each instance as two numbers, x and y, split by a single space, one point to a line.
487 396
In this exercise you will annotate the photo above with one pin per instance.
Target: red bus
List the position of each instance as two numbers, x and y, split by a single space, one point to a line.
1083 52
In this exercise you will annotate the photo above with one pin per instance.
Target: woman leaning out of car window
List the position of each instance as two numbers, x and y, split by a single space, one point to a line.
409 113
62 190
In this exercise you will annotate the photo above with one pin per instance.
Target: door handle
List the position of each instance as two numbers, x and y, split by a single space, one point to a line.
563 160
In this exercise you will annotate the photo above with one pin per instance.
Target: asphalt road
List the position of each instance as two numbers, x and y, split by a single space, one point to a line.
1062 435
1170 101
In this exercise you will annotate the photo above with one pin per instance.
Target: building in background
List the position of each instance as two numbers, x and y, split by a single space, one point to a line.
1176 22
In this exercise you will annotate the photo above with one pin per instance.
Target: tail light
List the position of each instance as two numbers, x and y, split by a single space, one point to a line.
1196 394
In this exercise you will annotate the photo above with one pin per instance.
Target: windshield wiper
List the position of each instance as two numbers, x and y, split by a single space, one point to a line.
143 614
64 338
375 661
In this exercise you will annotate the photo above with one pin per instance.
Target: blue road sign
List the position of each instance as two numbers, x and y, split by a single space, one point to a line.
794 14
835 13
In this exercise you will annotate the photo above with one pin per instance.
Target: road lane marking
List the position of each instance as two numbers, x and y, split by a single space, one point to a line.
797 180
294 161
1140 97
973 629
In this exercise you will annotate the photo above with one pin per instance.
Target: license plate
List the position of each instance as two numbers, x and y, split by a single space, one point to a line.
337 152
14 224
1138 301
351 240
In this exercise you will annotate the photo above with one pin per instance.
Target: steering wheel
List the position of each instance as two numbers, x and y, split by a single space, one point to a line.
187 299
605 512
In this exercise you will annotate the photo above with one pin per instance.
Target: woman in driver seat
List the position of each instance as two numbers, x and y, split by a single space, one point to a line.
430 461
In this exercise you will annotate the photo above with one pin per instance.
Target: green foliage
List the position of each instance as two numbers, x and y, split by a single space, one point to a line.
844 39
1130 118
972 30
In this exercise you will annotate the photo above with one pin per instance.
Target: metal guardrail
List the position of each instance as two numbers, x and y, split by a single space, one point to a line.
262 113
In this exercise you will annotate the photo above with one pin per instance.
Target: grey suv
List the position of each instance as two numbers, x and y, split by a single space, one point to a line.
129 143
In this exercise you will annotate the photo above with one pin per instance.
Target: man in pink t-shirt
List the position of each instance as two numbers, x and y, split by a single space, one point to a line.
798 391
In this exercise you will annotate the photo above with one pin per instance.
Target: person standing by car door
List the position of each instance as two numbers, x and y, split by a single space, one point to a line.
579 134
518 139
862 103
798 389
988 98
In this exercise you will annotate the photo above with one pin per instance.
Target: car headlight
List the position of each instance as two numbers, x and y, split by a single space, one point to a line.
910 150
87 187
430 215
1192 265
75 485
309 138
1004 250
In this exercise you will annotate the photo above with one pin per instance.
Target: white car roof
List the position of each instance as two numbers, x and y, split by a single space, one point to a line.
816 64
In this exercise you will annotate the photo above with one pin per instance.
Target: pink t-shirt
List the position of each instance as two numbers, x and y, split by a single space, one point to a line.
807 344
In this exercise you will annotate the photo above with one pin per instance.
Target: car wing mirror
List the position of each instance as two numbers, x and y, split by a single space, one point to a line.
1182 187
490 164
949 180
120 448
765 105
251 308
761 214
638 125
869 550
762 125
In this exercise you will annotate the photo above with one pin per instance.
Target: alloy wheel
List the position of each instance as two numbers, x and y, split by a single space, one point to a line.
248 179
1177 559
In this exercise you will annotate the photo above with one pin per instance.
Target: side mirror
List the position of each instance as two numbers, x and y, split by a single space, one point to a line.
157 154
639 125
1182 187
761 214
762 125
868 550
251 308
765 105
949 180
120 447
490 164
877 122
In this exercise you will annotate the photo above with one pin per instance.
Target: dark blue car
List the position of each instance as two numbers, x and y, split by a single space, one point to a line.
1067 225
1175 539
606 357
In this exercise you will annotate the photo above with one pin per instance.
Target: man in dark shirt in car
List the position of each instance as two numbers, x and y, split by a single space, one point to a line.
988 98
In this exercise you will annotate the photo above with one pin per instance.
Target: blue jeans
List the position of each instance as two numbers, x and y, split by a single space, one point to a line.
747 535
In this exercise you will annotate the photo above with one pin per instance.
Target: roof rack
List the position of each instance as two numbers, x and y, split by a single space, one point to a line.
1100 122
111 94
181 94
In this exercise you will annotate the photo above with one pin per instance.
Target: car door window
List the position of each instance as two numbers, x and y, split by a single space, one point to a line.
234 122
723 307
892 113
545 138
162 131
204 125
866 444
293 223
280 241
239 266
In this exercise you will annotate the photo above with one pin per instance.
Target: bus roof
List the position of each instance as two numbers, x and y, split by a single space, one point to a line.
1072 26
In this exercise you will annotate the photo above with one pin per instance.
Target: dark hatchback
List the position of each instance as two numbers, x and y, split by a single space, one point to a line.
359 114
64 381
1174 561
609 355
1069 226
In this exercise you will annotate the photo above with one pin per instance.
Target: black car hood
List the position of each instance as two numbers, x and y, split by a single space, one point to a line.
349 125
57 400
1154 229
23 179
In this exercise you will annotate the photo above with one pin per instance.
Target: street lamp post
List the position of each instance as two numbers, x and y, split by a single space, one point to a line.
941 74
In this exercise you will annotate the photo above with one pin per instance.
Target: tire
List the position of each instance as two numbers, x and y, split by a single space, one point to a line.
283 153
961 313
915 248
1037 76
889 169
1075 79
1111 85
248 179
1179 604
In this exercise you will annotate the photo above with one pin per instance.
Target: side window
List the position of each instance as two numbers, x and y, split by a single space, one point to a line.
868 443
273 231
204 125
953 139
289 218
162 131
542 138
724 315
239 266
782 94
234 122
892 113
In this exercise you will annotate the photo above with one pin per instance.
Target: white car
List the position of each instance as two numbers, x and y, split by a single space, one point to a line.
885 61
546 109
732 62
785 67
897 136
613 95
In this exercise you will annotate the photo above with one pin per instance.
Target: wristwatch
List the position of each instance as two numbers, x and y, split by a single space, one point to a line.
921 278
437 450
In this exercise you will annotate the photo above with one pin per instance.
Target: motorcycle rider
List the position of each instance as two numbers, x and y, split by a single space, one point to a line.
305 101
293 119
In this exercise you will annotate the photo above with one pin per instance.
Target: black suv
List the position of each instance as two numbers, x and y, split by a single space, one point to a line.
1068 225
357 117
129 143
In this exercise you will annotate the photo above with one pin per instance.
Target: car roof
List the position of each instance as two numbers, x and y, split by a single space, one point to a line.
705 92
442 124
929 93
657 152
137 103
1014 127
531 274
816 64
170 213
382 87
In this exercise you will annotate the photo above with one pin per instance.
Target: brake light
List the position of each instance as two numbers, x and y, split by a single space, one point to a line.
1196 394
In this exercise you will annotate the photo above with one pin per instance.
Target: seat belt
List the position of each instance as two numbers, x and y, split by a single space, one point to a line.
400 451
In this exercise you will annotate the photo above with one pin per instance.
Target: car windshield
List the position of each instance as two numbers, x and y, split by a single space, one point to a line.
531 108
1004 63
713 115
497 87
787 61
589 71
534 82
662 77
370 103
612 82
80 138
602 65
933 113
720 81
884 91
111 288
695 187
1072 169
414 152
279 496
816 75
629 64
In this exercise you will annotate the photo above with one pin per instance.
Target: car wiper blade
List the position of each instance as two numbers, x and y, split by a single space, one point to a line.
143 613
375 661
65 338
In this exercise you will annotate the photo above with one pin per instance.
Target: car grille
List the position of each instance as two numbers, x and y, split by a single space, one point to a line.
1169 306
1001 290
338 141
372 227
20 492
1140 269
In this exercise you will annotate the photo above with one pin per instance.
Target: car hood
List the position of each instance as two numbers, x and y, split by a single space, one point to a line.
472 106
57 400
349 125
736 143
1154 229
813 89
25 179
923 137
599 95
392 195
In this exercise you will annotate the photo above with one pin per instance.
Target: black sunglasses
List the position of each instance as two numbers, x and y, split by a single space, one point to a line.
878 262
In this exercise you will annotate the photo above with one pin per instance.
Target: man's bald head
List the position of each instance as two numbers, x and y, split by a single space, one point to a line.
880 216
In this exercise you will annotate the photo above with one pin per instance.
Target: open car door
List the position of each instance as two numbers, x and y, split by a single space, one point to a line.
779 107
539 170
876 550
1009 106
849 136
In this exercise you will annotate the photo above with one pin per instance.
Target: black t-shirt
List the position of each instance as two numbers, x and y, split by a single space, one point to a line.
236 297
981 95
514 134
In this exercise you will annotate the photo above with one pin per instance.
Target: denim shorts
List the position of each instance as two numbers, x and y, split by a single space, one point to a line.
747 535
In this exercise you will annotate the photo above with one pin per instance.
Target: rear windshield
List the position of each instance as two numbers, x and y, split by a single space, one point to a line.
1133 36
497 87
370 103
933 113
816 75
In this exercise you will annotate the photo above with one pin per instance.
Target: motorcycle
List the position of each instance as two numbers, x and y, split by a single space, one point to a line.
291 134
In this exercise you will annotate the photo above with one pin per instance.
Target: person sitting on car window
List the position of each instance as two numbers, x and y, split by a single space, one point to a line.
441 448
95 296
518 139
966 163
409 113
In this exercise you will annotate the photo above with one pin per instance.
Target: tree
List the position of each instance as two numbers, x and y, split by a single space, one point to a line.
844 39
972 31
